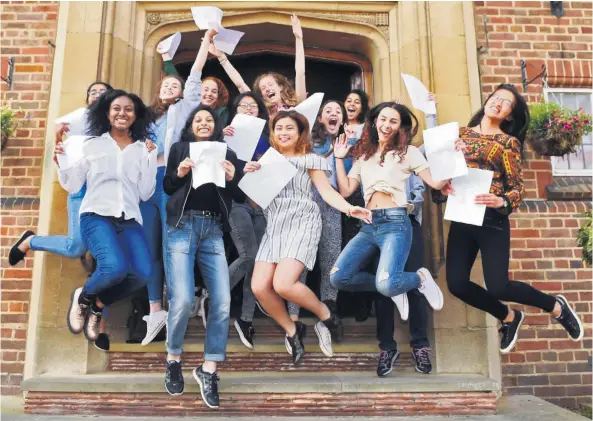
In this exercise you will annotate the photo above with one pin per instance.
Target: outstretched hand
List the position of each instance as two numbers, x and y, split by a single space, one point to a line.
296 27
341 147
361 213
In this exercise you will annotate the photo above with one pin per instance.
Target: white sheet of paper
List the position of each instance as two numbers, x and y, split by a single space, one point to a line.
460 205
248 130
72 151
207 157
227 39
207 17
439 143
310 107
419 94
76 122
169 45
263 185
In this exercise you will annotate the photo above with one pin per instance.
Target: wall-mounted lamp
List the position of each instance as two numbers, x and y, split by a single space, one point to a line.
557 8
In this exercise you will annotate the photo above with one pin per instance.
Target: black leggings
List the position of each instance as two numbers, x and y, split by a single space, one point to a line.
493 241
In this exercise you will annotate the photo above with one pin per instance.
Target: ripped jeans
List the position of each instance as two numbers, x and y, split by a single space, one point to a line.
391 235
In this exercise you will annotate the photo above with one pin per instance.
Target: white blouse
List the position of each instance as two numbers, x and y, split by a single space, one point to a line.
116 179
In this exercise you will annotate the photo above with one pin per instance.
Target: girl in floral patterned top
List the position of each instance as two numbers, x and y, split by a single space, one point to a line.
493 141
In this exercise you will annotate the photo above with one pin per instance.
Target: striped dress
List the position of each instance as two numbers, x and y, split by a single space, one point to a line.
293 220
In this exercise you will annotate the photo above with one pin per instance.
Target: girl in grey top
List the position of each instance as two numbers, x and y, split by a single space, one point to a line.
292 234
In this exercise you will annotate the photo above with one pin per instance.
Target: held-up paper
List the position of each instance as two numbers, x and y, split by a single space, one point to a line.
207 157
76 122
207 17
310 107
439 143
72 152
248 130
419 94
263 185
461 206
227 39
169 45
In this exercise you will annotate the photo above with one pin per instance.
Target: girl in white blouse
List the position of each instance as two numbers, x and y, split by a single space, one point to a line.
119 170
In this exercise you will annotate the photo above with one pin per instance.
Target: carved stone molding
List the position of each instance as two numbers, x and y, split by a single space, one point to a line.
379 20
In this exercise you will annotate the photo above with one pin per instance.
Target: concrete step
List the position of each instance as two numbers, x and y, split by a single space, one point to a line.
405 392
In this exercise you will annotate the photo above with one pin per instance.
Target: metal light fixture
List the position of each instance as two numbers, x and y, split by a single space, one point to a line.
557 8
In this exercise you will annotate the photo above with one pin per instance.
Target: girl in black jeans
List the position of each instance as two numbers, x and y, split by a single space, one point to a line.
493 141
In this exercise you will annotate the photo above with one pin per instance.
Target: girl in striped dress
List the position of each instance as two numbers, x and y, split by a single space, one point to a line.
293 232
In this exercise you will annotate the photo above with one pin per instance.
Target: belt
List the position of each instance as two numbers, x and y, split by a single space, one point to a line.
204 213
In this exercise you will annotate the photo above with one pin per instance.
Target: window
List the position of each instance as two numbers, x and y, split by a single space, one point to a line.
578 163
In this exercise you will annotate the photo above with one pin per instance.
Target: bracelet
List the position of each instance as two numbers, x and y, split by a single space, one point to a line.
224 59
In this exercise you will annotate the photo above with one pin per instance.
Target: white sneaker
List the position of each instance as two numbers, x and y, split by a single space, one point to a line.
154 323
430 290
325 339
401 302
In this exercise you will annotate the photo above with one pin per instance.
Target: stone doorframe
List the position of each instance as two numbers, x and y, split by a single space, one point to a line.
116 41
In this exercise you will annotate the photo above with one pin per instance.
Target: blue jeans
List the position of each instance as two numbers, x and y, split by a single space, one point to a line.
197 237
121 252
154 217
391 234
72 245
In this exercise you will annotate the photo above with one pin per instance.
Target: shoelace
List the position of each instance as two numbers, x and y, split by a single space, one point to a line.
211 382
384 358
422 355
174 372
82 309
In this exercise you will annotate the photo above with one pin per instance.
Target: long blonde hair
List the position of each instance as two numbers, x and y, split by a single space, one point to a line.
287 92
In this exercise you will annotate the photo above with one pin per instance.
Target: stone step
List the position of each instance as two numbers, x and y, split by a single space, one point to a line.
322 394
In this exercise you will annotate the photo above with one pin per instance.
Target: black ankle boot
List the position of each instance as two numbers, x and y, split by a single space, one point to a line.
296 343
334 323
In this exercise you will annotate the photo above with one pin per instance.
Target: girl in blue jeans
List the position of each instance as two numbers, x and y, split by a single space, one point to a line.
70 245
385 158
171 108
119 171
196 219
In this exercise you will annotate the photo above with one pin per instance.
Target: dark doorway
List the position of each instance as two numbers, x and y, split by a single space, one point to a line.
332 78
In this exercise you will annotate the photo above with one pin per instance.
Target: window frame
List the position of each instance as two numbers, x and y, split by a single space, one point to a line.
554 159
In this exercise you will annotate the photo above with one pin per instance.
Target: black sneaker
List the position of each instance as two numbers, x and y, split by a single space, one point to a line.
422 360
363 312
208 387
245 331
102 342
334 323
509 332
569 320
296 343
387 360
174 378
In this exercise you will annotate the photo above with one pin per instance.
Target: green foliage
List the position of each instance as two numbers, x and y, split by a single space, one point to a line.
585 239
8 125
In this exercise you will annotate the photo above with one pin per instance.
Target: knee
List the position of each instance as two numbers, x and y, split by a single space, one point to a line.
337 278
113 269
282 288
181 305
77 249
259 288
456 286
145 273
220 305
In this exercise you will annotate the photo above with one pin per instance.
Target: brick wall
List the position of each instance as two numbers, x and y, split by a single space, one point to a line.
543 246
27 27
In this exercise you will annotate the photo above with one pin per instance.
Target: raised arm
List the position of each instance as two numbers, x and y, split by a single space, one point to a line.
203 51
148 168
299 66
334 199
346 185
230 70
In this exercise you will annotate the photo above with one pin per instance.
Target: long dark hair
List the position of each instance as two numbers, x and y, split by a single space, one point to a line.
187 134
88 90
517 126
319 132
98 115
369 143
261 108
364 102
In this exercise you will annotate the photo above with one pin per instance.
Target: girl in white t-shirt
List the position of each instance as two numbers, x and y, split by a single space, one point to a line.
384 159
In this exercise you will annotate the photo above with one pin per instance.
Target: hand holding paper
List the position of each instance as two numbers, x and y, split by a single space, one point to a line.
310 107
461 205
73 152
207 17
246 133
207 158
264 184
168 47
444 160
419 94
76 121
